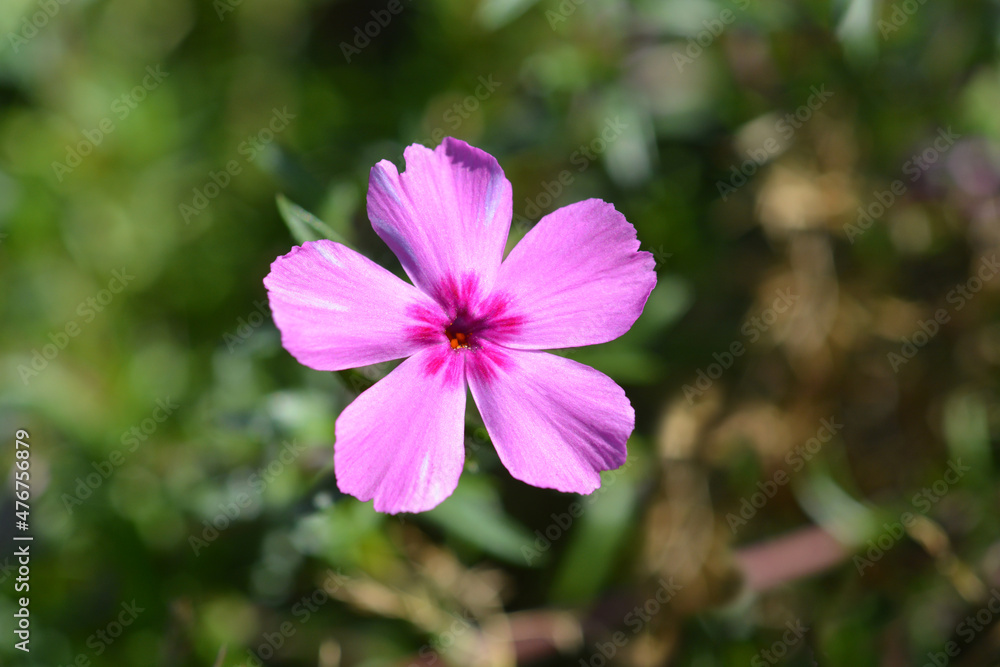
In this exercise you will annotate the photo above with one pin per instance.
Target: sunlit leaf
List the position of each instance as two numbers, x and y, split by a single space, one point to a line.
474 515
305 226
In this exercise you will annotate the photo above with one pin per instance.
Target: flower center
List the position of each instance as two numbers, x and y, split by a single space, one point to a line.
456 339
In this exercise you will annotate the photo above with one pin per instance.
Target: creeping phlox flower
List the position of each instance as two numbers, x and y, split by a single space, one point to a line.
471 319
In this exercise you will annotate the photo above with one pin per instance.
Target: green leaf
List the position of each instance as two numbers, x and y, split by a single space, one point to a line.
474 514
495 14
600 532
856 31
339 208
305 226
967 433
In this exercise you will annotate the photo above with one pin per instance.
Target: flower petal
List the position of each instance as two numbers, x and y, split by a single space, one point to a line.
575 279
555 423
401 441
446 217
336 309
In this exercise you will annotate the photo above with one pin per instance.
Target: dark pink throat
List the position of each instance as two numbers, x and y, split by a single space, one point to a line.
466 317
465 327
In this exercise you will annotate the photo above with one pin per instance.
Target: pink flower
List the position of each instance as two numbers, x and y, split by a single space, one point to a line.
471 319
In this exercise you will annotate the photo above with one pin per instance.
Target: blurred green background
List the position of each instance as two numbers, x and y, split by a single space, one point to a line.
812 479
